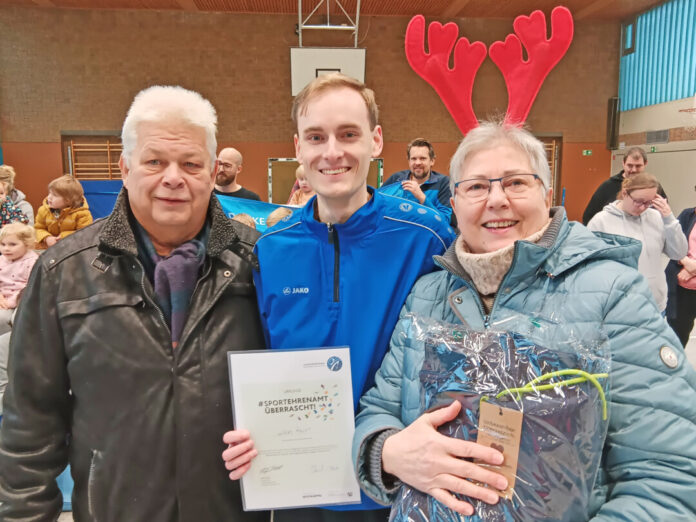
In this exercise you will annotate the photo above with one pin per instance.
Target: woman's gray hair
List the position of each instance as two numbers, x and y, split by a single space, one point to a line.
169 103
489 134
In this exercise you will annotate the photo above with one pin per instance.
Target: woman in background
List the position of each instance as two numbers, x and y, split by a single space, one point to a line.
644 215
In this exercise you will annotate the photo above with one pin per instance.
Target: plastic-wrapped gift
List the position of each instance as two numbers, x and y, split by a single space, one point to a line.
559 386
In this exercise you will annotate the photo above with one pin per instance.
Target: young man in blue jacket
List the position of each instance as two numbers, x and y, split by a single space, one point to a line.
338 270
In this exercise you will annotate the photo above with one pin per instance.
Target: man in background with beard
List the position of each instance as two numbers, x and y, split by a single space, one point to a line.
420 182
229 165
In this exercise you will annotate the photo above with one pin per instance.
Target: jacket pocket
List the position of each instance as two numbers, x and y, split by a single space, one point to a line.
97 302
237 288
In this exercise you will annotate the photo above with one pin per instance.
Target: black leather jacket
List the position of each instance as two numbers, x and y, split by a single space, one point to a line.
93 380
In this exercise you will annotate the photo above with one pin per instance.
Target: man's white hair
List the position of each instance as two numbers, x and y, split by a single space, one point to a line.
165 104
490 134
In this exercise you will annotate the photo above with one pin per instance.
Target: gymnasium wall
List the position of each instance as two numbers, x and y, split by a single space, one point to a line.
79 70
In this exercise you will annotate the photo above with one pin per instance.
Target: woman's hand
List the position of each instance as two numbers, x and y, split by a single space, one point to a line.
239 453
688 264
439 465
4 305
660 204
684 275
50 241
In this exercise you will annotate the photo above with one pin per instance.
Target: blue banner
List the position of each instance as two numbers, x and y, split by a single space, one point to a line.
258 210
101 197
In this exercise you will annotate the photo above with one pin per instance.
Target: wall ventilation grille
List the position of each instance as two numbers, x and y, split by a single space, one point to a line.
658 136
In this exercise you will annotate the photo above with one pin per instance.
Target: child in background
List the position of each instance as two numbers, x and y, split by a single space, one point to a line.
9 213
63 212
304 192
18 258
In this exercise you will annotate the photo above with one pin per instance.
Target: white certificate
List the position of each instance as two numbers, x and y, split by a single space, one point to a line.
298 406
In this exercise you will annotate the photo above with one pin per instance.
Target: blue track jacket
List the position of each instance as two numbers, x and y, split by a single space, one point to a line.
436 190
344 284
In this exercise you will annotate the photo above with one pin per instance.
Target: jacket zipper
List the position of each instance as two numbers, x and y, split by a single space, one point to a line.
333 240
91 484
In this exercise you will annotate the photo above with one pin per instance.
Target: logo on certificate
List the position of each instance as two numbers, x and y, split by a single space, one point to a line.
334 363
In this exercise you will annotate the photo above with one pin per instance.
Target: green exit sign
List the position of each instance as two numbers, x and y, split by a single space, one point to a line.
587 152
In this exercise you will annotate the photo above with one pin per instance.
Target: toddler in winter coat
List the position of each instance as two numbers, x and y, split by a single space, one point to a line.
63 212
18 258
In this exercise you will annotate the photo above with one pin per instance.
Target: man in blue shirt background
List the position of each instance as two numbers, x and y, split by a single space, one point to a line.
420 182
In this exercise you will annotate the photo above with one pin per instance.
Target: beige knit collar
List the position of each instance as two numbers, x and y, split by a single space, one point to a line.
488 269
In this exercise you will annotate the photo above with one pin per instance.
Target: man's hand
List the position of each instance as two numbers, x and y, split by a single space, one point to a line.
660 204
414 188
239 453
441 466
50 241
3 304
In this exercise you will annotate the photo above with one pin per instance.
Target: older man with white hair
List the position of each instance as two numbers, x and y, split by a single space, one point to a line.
117 360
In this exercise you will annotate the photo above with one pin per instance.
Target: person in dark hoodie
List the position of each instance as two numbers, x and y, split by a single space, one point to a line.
634 162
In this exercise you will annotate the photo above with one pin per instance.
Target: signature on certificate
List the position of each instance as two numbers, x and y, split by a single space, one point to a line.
268 469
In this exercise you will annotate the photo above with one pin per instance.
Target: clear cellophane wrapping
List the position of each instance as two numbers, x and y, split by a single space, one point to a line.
564 424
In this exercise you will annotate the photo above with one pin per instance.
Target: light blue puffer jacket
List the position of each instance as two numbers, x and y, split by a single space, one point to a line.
648 470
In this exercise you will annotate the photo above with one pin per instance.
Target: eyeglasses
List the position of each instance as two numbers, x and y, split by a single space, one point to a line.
515 186
640 202
225 166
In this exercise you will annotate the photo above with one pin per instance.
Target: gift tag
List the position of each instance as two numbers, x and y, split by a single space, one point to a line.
500 428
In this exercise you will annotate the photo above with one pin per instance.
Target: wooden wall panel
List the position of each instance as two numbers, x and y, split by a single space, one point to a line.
581 175
36 164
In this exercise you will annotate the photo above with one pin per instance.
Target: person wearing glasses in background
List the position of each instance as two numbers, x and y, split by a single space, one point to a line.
634 161
641 213
518 258
229 165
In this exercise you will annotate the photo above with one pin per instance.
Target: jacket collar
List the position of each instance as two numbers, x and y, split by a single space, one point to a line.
117 233
362 222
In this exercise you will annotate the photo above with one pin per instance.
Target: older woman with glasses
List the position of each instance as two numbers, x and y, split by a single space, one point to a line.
517 257
644 215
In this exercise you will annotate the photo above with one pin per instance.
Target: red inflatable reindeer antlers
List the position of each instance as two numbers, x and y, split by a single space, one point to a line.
453 85
522 78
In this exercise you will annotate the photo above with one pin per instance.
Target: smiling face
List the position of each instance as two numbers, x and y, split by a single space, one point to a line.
334 144
420 163
12 248
169 181
499 221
